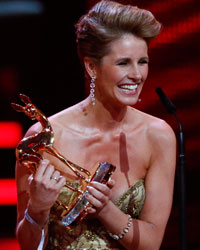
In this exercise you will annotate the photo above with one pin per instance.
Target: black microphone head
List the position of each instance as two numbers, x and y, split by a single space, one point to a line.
171 108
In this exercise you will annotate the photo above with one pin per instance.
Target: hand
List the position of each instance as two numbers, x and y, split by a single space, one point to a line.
45 186
99 196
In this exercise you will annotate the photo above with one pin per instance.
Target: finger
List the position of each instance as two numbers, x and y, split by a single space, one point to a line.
55 176
97 194
101 187
48 173
91 210
93 201
61 182
41 168
111 183
30 178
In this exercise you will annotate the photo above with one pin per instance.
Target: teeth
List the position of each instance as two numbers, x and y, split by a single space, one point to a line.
129 87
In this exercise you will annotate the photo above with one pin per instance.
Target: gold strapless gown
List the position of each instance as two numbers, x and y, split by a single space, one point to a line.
90 234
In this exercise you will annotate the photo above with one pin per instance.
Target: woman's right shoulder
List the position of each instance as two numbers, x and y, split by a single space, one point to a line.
56 120
34 129
66 119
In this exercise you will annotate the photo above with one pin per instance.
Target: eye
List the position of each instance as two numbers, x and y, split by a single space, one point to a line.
122 63
144 61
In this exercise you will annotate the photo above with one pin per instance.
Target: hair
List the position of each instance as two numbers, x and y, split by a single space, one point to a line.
108 21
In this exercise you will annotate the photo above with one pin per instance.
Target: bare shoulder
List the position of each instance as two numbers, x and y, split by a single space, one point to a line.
64 114
159 131
156 128
34 129
162 141
66 118
57 121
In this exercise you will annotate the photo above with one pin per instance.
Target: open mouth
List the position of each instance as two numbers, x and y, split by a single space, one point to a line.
128 88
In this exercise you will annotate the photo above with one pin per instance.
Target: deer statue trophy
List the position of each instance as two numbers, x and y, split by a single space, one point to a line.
28 153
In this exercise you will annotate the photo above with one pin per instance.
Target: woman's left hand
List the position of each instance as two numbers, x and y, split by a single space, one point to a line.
99 195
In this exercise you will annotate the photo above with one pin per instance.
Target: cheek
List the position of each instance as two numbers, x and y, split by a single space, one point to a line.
117 74
112 76
145 73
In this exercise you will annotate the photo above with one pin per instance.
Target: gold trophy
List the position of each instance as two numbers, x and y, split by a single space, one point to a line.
28 153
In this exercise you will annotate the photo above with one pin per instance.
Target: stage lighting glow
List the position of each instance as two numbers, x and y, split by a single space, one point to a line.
8 192
10 134
178 31
9 244
13 8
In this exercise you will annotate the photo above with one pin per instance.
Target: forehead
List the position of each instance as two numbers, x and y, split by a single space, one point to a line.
128 46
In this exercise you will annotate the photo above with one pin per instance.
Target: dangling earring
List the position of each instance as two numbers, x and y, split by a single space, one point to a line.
92 89
139 100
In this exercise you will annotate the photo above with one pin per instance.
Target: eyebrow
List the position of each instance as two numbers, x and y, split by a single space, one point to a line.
123 59
145 57
128 59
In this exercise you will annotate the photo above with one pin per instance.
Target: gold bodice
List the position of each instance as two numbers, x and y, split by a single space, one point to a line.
90 234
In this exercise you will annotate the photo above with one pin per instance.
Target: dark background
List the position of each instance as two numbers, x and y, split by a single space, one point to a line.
38 58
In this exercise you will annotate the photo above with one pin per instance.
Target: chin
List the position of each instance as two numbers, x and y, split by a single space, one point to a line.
127 102
130 103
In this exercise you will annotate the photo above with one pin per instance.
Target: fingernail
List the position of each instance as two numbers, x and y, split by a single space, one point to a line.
45 161
93 182
113 182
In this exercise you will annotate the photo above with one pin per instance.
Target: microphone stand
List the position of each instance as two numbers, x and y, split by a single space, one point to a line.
181 188
170 107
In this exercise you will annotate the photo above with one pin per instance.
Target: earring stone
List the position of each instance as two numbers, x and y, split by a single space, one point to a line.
92 90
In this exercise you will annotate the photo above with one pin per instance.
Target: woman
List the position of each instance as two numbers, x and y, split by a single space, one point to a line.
132 211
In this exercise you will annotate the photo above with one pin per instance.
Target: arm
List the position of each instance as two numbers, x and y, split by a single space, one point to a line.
148 231
37 194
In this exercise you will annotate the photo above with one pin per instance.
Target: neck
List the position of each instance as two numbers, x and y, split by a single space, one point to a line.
106 116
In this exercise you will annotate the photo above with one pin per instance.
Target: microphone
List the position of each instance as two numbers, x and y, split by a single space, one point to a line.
171 108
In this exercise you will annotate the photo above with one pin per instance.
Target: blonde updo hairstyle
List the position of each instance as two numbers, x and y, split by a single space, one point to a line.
108 21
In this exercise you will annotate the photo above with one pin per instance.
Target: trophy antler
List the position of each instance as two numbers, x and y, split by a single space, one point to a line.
29 109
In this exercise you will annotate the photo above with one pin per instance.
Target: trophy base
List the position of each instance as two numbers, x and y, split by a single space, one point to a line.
79 210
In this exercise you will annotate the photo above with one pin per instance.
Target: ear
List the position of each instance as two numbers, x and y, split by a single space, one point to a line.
25 99
17 107
90 66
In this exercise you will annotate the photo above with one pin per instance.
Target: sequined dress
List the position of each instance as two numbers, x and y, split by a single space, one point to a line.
90 234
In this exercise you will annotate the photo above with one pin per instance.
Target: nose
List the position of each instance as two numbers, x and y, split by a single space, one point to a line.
135 74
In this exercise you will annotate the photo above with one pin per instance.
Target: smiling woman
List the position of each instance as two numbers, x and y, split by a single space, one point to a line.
121 74
132 210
